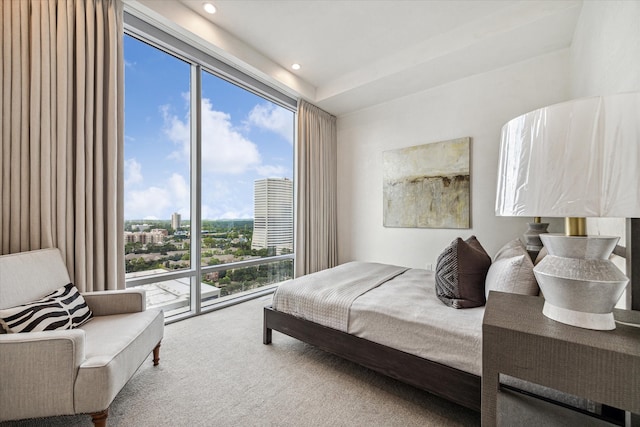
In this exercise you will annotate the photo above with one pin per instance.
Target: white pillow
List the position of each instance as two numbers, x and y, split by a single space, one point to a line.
510 249
512 271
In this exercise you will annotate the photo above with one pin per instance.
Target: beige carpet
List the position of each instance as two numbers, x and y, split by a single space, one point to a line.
215 371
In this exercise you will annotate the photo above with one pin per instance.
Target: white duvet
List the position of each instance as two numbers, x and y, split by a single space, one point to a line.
405 314
326 297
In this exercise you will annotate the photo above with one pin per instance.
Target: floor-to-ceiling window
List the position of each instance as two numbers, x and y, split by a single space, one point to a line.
208 185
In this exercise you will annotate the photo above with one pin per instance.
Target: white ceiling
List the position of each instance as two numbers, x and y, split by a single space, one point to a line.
358 53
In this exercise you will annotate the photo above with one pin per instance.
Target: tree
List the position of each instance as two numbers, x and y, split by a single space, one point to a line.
132 247
262 252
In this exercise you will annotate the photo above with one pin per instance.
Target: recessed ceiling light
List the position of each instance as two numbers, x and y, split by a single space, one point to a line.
295 66
209 8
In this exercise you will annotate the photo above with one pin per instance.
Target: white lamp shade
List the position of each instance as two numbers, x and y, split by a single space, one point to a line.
575 159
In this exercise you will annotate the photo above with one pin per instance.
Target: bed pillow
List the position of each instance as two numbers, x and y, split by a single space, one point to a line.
460 273
64 308
512 271
543 253
510 249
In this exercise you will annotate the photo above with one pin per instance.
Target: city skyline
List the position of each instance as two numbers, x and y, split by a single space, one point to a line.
244 138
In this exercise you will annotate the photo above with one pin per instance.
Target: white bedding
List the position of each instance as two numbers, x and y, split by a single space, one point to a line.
403 313
326 297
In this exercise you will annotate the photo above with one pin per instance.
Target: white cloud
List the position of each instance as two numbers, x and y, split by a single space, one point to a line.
235 214
132 172
226 199
158 201
224 149
273 118
272 171
150 202
179 189
222 211
216 189
226 154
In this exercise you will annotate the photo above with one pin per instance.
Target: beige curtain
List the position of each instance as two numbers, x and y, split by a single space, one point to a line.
61 151
316 195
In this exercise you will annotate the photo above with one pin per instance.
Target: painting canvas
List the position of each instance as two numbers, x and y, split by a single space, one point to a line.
427 186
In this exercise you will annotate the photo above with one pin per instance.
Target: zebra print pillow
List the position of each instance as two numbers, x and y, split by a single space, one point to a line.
64 308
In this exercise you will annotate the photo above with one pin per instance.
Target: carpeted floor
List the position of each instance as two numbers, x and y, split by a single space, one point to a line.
215 371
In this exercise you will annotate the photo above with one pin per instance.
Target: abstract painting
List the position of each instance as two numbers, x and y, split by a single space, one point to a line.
427 186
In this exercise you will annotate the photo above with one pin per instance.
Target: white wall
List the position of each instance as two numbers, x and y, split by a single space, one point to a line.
477 106
605 53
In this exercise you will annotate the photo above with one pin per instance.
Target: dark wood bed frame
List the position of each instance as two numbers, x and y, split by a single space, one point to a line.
452 384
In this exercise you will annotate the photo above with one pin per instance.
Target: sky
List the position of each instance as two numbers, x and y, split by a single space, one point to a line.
244 138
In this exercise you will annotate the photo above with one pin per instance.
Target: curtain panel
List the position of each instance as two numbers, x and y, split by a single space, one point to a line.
316 239
61 152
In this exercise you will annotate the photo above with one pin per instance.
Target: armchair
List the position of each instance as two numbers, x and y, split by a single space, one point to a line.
71 371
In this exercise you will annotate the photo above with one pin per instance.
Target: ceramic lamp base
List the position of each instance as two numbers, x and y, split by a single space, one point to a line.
598 321
581 286
532 235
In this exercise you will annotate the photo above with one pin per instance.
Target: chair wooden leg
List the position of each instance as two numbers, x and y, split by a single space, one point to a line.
156 355
100 418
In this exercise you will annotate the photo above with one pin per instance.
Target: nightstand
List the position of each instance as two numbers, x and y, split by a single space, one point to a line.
519 341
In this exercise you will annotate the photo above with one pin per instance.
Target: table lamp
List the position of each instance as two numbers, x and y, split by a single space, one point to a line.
575 159
532 239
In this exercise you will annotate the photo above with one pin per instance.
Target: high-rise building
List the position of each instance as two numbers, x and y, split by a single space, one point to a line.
273 214
175 221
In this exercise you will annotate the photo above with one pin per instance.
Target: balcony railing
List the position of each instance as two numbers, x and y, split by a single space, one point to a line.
171 290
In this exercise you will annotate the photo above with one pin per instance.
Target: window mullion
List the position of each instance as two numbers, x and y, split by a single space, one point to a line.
196 185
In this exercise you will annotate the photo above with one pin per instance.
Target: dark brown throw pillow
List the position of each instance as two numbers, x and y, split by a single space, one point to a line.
460 273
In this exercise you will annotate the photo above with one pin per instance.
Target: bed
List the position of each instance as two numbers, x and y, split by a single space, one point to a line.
400 322
394 324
